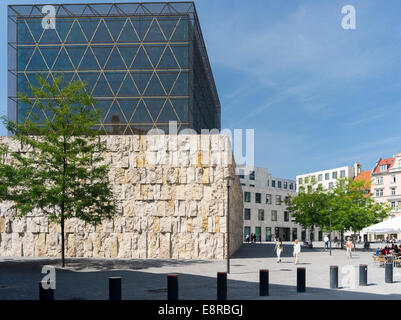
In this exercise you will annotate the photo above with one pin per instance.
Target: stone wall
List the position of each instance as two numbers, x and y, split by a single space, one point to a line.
172 203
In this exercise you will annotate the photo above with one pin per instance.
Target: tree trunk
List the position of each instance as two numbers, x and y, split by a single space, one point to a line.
342 239
62 235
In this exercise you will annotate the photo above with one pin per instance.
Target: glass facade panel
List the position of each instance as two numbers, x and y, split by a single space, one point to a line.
151 57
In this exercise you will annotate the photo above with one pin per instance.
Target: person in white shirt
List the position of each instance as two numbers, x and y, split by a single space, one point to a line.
326 242
297 251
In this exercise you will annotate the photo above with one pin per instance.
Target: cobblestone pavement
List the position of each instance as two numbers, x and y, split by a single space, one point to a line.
147 279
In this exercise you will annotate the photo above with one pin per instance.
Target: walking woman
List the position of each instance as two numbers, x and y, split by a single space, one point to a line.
278 248
297 251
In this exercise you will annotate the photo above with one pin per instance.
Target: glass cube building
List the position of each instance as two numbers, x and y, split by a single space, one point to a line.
145 63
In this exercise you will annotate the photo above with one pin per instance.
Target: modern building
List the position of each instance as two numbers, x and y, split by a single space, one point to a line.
145 63
265 212
326 178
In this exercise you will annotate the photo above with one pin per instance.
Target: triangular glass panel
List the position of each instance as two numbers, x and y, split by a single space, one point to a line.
24 35
115 25
114 115
102 88
128 107
154 52
183 7
23 86
154 34
102 53
23 10
167 79
141 9
36 11
67 76
50 36
128 8
23 110
37 115
128 53
75 35
141 115
35 26
115 61
141 60
168 114
76 53
154 88
61 12
88 77
101 9
181 54
37 62
33 78
114 11
50 54
128 88
115 80
88 62
62 62
63 26
76 9
141 80
154 106
23 56
141 25
181 108
89 26
102 34
167 25
181 32
155 8
168 60
181 85
128 33
102 107
87 11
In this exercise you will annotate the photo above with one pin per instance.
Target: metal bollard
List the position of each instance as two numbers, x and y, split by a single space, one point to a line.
363 275
301 277
389 273
263 283
222 286
115 288
45 294
172 287
333 277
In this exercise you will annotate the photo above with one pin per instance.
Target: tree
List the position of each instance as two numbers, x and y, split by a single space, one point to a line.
63 171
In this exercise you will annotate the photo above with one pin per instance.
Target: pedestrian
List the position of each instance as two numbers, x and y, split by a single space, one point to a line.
326 242
247 237
278 249
254 238
349 248
297 251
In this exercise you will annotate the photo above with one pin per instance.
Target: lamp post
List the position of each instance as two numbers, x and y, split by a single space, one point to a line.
330 231
229 180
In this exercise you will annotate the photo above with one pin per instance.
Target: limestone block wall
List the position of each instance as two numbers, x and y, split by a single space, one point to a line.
172 203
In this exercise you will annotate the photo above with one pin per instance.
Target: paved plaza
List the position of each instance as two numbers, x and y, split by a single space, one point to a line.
147 279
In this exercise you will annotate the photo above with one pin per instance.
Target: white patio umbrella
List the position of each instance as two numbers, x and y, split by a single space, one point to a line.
392 225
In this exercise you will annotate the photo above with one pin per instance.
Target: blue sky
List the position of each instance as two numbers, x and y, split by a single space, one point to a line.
318 96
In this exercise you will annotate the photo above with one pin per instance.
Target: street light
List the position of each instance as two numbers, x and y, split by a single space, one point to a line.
330 231
229 180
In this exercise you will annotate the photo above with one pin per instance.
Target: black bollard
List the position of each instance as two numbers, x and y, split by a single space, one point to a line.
45 294
301 277
263 283
222 286
389 273
115 288
172 287
333 277
363 275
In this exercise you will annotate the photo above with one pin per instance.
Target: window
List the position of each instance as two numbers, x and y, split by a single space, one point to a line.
313 179
300 181
286 216
320 236
393 205
268 183
285 184
320 177
252 175
379 180
331 185
268 199
367 191
291 186
278 184
243 184
278 200
303 235
247 214
307 180
326 176
393 179
379 192
247 196
393 191
309 189
252 185
294 234
241 176
334 175
268 234
273 183
261 215
342 174
383 168
274 215
258 197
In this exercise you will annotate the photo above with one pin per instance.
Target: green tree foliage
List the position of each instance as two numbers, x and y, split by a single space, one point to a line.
63 172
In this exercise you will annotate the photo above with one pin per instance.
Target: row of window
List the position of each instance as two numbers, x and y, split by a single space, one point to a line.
380 180
261 215
285 237
313 179
275 184
379 192
258 198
